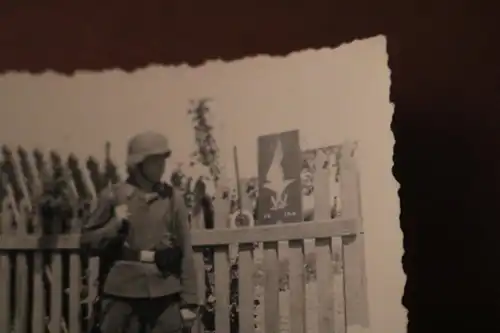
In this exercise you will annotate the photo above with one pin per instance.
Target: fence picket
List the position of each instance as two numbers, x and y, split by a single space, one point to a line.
94 172
75 264
246 269
56 293
36 188
89 186
271 287
21 283
38 296
27 171
246 288
56 266
44 172
74 225
92 272
296 256
75 276
221 267
5 271
21 270
21 215
197 222
20 178
75 171
323 245
337 255
354 254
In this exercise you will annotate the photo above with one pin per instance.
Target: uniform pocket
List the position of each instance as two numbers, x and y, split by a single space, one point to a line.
115 314
170 320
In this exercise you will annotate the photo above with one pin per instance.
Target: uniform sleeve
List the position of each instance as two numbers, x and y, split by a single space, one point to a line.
189 293
101 227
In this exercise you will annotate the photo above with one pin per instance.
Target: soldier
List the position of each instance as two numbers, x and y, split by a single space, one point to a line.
151 283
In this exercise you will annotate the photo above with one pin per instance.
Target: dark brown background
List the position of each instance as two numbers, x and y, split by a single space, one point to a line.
445 79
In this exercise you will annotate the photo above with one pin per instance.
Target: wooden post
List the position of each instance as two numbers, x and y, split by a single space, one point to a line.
221 260
328 290
354 246
245 262
5 269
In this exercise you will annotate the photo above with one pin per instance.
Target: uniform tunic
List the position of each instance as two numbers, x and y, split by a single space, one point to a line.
155 222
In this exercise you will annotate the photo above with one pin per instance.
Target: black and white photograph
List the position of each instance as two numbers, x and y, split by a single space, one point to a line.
251 196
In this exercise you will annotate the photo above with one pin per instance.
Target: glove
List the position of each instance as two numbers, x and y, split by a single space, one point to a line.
188 317
121 212
168 260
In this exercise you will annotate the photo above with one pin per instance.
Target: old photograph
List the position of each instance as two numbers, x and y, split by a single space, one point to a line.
246 196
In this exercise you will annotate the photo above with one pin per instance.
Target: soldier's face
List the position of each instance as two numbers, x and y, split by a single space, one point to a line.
154 167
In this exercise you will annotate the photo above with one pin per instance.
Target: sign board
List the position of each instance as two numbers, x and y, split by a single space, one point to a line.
280 187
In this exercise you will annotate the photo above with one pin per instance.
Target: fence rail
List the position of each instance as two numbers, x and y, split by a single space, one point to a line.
200 238
49 285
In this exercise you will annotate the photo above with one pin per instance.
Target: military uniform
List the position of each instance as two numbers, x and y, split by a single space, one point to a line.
138 294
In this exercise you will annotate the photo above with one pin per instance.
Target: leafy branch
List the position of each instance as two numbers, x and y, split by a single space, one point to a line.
207 153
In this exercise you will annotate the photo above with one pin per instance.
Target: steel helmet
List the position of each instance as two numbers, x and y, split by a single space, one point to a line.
146 144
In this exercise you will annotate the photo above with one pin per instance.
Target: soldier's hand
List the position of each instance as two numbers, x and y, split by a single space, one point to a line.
122 213
188 316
